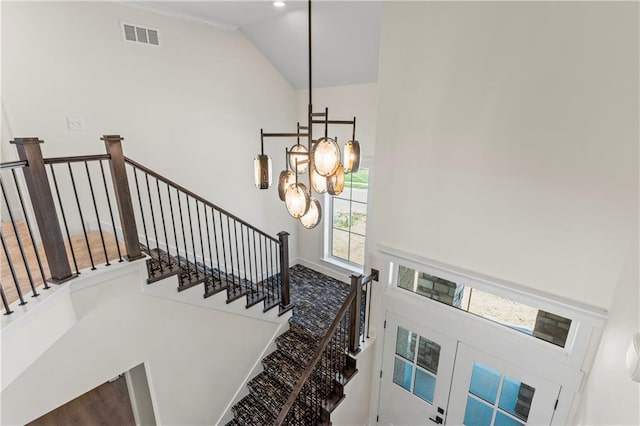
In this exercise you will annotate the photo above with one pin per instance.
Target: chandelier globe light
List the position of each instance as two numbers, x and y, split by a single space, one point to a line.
310 219
326 156
318 182
297 200
321 157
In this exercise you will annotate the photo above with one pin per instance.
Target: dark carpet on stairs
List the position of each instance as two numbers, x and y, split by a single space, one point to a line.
317 299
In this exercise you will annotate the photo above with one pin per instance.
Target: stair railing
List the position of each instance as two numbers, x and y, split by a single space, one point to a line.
78 195
320 387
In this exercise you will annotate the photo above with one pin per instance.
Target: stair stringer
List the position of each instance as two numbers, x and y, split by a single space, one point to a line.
167 288
354 408
243 390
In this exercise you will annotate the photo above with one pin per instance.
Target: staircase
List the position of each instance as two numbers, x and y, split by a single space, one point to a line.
183 235
161 265
317 299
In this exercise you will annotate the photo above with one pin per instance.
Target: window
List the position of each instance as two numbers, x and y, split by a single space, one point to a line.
347 229
518 316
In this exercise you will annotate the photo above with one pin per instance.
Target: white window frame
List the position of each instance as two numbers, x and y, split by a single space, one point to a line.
328 257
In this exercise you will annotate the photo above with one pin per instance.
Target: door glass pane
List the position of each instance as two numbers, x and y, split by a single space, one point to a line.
477 413
402 373
516 397
484 382
504 420
406 343
428 355
424 386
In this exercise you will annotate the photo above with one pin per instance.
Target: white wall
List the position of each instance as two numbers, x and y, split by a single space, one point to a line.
507 140
191 109
195 358
610 396
344 103
507 144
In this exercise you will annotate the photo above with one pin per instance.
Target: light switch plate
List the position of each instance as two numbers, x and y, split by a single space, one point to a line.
75 123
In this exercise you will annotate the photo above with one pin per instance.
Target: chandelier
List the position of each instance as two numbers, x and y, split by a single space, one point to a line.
320 159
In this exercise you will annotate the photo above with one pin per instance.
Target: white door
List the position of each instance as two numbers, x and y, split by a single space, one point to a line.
416 373
489 391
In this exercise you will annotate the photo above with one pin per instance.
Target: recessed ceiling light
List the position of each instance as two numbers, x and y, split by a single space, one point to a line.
278 3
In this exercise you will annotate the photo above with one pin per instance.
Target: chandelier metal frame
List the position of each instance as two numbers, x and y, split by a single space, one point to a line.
319 153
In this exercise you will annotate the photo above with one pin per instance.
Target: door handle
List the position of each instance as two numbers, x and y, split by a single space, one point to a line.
437 420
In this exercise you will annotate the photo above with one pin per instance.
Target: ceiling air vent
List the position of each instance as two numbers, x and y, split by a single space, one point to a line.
138 34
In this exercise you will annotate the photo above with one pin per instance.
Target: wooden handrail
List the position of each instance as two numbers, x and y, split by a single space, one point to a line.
197 197
76 159
315 359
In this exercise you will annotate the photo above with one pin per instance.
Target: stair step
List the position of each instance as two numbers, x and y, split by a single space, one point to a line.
283 369
297 346
189 277
250 412
213 285
269 391
159 269
233 422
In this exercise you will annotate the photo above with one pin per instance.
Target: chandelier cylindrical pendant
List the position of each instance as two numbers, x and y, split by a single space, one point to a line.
286 179
297 199
351 157
262 171
335 182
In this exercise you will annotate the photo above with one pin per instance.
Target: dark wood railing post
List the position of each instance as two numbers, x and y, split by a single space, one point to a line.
113 143
285 297
354 314
35 176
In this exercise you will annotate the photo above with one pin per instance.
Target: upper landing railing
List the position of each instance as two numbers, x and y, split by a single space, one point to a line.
62 215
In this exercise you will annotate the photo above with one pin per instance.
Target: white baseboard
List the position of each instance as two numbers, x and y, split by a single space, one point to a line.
331 271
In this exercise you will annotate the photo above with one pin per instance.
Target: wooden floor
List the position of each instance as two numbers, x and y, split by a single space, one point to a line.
106 405
78 243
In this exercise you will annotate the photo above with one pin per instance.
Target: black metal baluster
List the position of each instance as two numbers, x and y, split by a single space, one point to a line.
204 262
84 229
12 269
244 257
271 286
95 207
184 238
248 245
235 233
255 259
261 262
206 224
113 222
164 225
26 219
64 218
233 275
369 295
173 222
193 241
224 258
7 310
215 242
19 240
144 222
153 223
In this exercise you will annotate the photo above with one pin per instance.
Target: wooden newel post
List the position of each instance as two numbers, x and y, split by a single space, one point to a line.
113 144
354 314
35 176
285 297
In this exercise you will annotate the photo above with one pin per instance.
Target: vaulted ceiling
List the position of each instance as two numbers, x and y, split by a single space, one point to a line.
345 35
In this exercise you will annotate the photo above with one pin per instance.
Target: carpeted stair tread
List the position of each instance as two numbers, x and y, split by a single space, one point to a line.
233 422
271 393
297 346
250 412
283 369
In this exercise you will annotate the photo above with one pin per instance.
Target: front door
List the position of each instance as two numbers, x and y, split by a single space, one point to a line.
416 373
488 391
